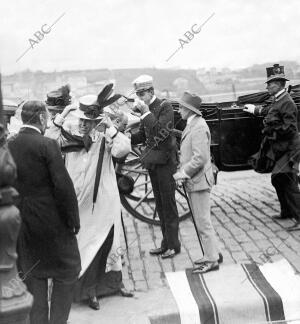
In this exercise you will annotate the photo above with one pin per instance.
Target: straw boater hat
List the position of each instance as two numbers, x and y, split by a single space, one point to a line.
58 99
191 101
91 106
275 72
142 83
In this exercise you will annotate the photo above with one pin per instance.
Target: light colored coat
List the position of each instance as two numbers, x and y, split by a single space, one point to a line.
95 222
195 158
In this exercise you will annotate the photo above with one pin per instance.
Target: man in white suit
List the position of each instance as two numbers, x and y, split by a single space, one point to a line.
196 173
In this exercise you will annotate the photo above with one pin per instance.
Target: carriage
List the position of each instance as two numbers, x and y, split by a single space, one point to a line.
235 136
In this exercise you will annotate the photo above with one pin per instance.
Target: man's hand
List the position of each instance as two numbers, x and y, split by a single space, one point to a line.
250 108
106 122
103 124
180 177
140 106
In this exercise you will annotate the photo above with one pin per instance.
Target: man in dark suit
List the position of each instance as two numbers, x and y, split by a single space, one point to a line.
47 245
160 158
281 131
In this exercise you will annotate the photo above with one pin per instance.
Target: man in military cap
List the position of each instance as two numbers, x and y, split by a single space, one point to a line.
160 158
281 131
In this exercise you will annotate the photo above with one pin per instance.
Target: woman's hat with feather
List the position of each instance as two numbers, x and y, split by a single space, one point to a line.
91 106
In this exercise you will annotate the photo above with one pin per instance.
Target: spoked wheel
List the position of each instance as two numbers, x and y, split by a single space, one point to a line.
140 203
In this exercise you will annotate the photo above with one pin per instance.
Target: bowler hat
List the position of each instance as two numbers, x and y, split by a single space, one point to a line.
191 101
275 72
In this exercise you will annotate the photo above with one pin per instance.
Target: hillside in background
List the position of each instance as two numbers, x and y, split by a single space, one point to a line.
212 84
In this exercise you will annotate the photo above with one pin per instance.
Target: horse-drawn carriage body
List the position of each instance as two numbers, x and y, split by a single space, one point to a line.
235 134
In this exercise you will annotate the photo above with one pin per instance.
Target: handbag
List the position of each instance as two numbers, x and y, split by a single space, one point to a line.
264 160
125 183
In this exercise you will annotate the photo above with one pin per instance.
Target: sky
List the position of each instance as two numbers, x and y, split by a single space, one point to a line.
94 34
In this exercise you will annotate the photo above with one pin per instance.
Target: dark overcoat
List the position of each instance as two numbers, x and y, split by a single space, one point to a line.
156 131
281 129
47 247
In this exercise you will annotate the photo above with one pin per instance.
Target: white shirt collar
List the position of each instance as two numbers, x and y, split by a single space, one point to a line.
279 93
152 100
190 118
33 127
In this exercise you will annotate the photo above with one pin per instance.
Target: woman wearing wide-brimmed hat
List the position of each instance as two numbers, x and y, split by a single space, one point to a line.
89 152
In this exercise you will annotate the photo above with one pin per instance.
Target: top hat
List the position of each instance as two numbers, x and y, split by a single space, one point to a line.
275 72
91 106
192 102
58 99
142 83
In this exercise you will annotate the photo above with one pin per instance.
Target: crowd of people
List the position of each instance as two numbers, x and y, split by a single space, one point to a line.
69 200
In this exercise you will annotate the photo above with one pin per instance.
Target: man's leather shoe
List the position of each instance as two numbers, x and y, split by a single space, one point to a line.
125 293
295 227
170 253
220 260
94 303
157 251
280 217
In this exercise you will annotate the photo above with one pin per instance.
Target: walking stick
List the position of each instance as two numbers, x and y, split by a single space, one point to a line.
188 202
123 226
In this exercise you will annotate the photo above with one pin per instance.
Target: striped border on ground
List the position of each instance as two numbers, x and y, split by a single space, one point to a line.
187 306
283 279
237 293
272 301
206 305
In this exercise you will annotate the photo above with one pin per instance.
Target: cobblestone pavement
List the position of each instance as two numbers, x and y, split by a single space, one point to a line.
242 206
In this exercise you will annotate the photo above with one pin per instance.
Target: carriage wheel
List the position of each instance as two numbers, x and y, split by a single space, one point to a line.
140 203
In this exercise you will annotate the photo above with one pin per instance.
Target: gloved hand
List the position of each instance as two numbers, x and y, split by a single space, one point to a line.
180 177
140 106
250 108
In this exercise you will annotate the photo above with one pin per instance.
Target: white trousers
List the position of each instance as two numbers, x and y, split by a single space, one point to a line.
200 204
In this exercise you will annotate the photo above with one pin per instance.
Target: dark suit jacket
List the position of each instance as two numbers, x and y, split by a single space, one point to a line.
281 127
156 130
48 207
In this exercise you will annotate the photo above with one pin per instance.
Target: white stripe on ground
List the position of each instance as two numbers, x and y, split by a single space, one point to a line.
210 299
260 293
236 299
283 279
188 308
